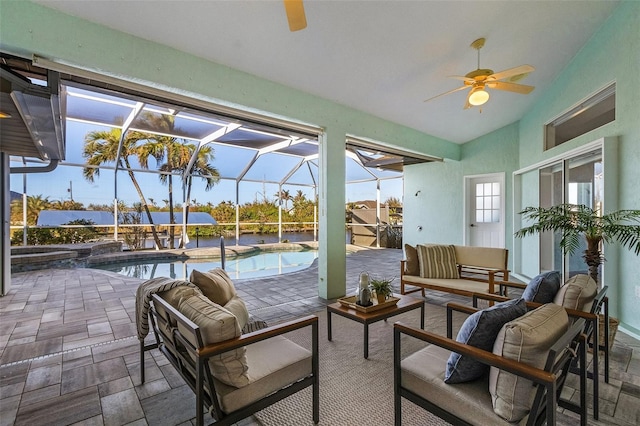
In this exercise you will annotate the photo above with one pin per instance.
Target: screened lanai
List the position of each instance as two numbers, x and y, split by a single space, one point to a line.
254 156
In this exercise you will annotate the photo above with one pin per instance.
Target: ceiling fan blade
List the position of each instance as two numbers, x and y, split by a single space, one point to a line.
467 104
295 14
446 93
463 78
510 87
522 69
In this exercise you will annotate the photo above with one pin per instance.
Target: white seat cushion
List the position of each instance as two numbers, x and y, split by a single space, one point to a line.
423 374
273 364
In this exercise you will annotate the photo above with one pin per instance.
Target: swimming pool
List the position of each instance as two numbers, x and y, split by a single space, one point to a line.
258 265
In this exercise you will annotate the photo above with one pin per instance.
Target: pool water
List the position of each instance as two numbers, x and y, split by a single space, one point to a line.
261 264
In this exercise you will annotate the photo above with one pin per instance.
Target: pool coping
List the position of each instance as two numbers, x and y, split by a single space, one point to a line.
86 255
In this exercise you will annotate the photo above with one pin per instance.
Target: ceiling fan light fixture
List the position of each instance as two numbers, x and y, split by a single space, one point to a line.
478 96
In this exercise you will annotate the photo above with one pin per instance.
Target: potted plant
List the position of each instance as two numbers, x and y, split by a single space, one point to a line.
579 221
382 288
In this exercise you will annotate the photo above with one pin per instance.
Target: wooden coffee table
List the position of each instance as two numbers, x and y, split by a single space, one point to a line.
406 303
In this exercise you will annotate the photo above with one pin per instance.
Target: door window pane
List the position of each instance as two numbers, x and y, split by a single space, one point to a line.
488 202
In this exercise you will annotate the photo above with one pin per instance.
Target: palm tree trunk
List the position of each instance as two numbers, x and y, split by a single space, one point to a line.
186 211
172 219
593 257
144 205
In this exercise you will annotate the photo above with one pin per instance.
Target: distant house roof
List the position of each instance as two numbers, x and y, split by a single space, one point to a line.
103 218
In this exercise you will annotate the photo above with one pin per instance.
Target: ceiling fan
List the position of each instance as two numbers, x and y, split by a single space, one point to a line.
481 79
295 14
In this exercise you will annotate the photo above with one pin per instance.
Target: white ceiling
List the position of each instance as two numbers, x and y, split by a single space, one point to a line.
382 57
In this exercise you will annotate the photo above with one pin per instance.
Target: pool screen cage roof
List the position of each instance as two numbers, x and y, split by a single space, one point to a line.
245 149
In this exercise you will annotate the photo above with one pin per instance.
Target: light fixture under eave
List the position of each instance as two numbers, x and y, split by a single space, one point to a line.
4 114
478 96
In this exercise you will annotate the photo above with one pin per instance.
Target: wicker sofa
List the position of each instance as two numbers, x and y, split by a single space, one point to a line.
456 269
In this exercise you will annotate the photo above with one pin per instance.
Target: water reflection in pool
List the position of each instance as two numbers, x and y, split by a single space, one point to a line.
258 265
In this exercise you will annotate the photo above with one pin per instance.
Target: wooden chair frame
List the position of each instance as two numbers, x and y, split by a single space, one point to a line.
549 381
181 353
600 303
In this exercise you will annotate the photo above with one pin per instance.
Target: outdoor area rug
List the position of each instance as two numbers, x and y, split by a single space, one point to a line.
353 390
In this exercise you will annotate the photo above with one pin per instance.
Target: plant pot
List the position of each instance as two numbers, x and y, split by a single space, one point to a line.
613 328
381 298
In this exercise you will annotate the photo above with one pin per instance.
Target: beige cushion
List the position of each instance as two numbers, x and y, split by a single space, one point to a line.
217 324
486 257
176 294
215 284
577 293
274 363
423 373
412 265
173 297
237 307
527 340
437 261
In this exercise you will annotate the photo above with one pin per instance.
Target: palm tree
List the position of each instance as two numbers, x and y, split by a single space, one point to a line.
177 155
285 196
203 169
35 204
101 147
579 221
174 153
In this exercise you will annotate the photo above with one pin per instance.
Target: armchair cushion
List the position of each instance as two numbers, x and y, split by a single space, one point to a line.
423 375
237 307
577 293
543 288
480 330
215 284
217 324
437 261
526 339
275 363
175 295
412 266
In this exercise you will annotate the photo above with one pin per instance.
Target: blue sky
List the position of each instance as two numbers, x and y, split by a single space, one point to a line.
67 180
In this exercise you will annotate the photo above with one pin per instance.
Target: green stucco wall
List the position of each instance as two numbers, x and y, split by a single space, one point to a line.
612 54
27 29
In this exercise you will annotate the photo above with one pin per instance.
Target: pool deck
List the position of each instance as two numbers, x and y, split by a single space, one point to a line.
69 351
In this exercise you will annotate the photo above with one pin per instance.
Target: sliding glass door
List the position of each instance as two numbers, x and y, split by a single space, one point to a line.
576 180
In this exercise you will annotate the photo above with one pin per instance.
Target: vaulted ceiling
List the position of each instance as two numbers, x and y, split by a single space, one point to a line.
382 57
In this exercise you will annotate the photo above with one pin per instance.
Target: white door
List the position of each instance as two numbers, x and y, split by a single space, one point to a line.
484 214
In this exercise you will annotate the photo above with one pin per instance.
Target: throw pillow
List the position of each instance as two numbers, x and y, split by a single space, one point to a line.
480 330
215 284
237 307
175 295
217 324
527 340
543 288
437 261
412 265
577 293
